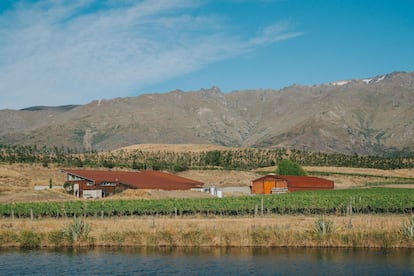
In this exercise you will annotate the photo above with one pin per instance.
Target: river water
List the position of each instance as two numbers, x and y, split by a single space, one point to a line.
207 261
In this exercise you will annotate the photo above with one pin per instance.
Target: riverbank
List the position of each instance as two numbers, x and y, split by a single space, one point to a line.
359 231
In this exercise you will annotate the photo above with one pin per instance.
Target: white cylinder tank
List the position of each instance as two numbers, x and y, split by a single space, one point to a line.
219 193
213 190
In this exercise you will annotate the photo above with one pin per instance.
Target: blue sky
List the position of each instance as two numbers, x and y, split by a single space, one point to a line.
57 52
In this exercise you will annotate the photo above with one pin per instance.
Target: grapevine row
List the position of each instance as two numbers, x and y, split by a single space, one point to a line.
363 201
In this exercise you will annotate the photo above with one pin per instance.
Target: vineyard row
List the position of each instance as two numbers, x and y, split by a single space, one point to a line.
340 202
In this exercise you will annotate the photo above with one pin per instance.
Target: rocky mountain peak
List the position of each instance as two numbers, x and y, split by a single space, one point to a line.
366 116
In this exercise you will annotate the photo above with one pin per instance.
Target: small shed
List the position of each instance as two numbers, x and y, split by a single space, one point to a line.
272 183
269 184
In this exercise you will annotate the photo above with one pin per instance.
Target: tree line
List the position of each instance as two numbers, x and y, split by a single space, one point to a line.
234 159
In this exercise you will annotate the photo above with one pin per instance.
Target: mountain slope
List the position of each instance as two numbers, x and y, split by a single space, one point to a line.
369 116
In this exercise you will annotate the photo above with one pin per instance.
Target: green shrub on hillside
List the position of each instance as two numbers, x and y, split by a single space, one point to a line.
287 167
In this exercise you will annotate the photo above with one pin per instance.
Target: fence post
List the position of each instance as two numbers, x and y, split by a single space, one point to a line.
262 208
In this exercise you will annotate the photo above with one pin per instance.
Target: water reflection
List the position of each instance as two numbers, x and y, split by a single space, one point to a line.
207 261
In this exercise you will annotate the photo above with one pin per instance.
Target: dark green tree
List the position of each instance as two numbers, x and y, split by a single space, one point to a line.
287 167
137 165
213 158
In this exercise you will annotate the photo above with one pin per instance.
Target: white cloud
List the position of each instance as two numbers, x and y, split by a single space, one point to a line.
61 52
274 33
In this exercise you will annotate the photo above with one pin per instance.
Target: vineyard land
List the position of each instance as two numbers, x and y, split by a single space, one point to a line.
17 181
362 226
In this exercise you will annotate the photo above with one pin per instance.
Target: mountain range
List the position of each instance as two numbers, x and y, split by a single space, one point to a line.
370 116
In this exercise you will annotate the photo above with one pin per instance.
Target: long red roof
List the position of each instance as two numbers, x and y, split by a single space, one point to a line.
296 183
307 181
139 179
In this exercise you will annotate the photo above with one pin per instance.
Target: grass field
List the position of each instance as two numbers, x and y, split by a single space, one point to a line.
296 231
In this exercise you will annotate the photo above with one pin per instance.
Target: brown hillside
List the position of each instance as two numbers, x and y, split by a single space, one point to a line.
370 116
174 147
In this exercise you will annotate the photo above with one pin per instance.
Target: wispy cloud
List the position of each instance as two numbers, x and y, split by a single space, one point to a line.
60 52
274 33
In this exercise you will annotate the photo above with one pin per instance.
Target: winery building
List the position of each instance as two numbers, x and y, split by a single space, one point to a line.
98 183
273 184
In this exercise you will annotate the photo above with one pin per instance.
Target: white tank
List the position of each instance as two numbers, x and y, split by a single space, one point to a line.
219 194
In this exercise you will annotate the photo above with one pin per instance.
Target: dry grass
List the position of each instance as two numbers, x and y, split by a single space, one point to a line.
347 182
17 176
366 176
17 182
355 231
349 170
396 173
175 147
32 195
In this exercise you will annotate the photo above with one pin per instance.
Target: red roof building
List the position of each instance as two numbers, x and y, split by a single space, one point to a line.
270 183
97 183
304 183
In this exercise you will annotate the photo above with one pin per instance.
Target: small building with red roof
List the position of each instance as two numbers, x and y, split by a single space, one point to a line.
99 183
272 183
